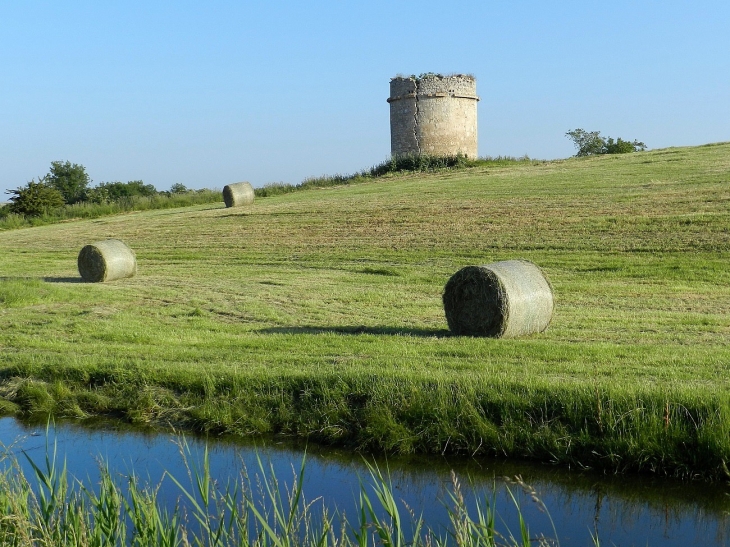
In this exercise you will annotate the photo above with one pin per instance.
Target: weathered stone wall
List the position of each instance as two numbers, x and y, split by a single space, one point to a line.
435 115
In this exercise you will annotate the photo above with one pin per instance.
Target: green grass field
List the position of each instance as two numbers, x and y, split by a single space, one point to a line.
318 314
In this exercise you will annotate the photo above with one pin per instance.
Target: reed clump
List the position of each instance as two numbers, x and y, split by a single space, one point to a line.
53 509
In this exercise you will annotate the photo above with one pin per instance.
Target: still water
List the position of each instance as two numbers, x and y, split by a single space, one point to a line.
621 511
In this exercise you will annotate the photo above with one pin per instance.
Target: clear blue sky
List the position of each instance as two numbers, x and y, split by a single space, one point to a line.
208 93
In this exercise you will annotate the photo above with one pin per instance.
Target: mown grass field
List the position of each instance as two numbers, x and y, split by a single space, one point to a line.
318 315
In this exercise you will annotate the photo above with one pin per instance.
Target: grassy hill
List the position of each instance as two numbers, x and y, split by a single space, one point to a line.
318 314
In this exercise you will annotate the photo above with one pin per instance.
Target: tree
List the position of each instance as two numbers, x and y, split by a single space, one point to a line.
34 200
70 179
590 143
178 188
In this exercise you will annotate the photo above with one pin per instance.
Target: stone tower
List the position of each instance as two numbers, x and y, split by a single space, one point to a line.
434 115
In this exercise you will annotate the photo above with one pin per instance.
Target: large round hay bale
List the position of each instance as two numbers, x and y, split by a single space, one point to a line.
503 299
106 261
238 194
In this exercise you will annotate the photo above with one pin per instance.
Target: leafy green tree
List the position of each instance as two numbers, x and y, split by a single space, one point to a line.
35 199
70 179
588 143
591 143
178 188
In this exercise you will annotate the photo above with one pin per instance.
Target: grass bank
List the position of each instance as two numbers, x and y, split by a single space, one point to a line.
317 314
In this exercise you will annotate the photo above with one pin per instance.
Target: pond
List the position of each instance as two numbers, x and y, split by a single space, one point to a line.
618 510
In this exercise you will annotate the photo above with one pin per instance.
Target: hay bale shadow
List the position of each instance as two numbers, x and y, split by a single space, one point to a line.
64 280
44 279
360 329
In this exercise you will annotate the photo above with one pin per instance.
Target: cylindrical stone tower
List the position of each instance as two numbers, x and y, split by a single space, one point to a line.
434 115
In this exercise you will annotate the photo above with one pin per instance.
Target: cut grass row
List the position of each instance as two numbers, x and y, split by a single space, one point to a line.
318 314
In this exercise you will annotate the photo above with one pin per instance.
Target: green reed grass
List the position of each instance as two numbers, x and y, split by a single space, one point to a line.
50 508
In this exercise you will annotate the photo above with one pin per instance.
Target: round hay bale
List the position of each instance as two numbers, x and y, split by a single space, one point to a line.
501 300
106 261
238 194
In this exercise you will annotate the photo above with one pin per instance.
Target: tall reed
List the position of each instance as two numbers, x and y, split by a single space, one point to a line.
50 508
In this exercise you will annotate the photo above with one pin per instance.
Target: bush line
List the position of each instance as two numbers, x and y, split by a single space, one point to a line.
87 210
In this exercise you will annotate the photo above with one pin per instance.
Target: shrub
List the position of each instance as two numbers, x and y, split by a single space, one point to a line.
98 195
114 191
623 147
590 143
35 199
274 189
419 162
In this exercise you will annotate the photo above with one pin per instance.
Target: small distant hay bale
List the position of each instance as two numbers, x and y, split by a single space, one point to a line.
106 261
238 194
501 300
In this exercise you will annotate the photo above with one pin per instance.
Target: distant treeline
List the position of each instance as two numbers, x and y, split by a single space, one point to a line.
65 192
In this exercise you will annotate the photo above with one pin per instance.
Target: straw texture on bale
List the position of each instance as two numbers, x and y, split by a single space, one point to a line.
106 261
238 194
501 300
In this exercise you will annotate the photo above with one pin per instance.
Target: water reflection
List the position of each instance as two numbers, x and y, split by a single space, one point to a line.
623 511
